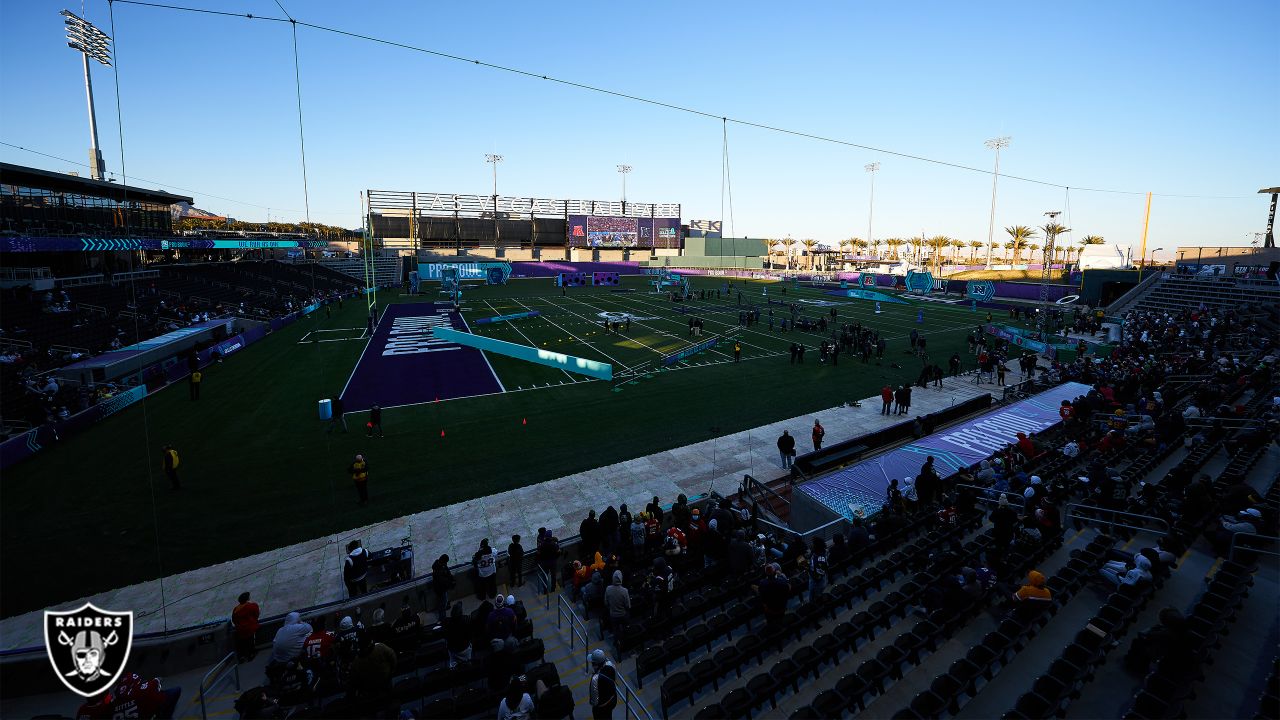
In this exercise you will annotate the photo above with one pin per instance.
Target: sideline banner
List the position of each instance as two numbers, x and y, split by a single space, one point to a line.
23 446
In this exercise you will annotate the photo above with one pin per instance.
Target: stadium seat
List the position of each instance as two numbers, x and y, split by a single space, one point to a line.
679 686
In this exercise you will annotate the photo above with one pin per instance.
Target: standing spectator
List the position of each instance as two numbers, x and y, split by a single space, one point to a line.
786 448
359 471
654 508
289 640
457 636
817 568
906 399
375 421
485 563
604 687
589 535
406 631
355 569
171 463
244 619
515 561
624 531
617 600
441 583
737 351
1003 522
609 529
339 416
886 397
548 556
819 432
195 379
899 399
774 591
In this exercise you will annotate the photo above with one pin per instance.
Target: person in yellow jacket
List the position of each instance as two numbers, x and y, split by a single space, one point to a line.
360 475
196 378
171 462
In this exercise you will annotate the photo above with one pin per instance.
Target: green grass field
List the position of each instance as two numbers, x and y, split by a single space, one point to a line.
259 471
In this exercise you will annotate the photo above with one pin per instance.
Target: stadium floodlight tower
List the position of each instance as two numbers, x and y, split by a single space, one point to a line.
1051 229
623 170
1269 240
90 42
996 144
493 160
871 169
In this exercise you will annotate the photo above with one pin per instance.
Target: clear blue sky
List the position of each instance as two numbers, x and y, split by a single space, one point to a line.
1173 97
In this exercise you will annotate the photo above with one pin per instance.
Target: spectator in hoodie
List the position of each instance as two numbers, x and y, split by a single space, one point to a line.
355 569
617 601
289 640
501 623
457 636
441 583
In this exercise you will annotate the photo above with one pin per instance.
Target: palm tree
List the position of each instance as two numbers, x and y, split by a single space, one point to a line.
1010 257
859 245
973 250
847 243
937 244
787 246
1031 251
809 244
1019 234
894 244
956 247
917 246
875 246
994 246
1089 240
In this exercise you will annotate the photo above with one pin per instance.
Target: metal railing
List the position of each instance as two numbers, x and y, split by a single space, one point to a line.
134 275
79 280
87 307
227 665
1247 539
633 707
985 495
547 586
1115 516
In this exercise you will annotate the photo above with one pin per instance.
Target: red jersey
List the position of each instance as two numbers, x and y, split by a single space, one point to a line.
318 646
135 698
245 619
95 710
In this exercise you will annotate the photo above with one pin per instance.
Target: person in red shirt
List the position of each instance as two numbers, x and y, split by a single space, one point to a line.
820 432
134 697
244 618
886 397
318 647
1066 411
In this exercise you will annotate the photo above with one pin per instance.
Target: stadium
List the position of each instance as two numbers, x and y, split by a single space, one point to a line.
469 455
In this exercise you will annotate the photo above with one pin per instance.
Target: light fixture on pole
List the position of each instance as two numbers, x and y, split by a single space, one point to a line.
623 170
871 208
493 160
995 144
90 42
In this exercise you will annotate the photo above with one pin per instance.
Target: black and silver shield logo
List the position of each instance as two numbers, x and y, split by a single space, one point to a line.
88 647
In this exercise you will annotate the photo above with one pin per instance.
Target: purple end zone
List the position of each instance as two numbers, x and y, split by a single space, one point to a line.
404 365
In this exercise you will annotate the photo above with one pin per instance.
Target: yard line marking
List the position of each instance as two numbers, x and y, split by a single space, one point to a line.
684 343
592 322
526 339
624 366
670 318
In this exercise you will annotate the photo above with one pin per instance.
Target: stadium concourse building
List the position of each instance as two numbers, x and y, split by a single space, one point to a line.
50 213
516 228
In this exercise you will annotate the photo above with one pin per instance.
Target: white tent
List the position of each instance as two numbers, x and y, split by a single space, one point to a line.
1104 257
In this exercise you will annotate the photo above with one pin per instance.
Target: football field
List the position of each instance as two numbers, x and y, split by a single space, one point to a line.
259 471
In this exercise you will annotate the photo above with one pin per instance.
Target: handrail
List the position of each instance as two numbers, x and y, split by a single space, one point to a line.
92 308
564 608
545 579
230 662
1071 515
1236 537
985 493
25 344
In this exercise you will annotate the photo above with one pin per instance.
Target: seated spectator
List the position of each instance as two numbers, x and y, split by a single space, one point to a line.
1167 639
1034 590
501 623
294 683
1119 573
318 647
133 697
457 636
371 672
289 640
501 664
516 703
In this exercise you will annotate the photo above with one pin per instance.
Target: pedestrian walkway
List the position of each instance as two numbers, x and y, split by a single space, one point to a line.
309 573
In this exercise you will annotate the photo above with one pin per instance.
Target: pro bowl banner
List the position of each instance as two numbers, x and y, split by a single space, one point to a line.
982 290
852 489
921 282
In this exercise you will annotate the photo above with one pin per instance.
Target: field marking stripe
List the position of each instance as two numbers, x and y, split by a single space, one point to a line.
526 338
621 364
671 318
486 357
683 342
589 320
356 367
676 320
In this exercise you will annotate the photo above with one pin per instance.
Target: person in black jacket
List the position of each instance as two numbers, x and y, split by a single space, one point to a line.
786 448
1003 523
589 535
375 421
515 561
441 583
609 529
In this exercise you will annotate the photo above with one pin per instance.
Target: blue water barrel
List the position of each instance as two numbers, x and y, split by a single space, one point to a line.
326 409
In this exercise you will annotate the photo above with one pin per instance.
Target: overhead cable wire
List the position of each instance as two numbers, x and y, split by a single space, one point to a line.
660 103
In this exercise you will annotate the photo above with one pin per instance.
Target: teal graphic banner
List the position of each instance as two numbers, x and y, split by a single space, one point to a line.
581 366
504 318
982 290
921 282
861 294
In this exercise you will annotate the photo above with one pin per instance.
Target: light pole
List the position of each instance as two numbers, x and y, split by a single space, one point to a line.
90 42
493 160
995 144
1143 265
623 170
871 207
